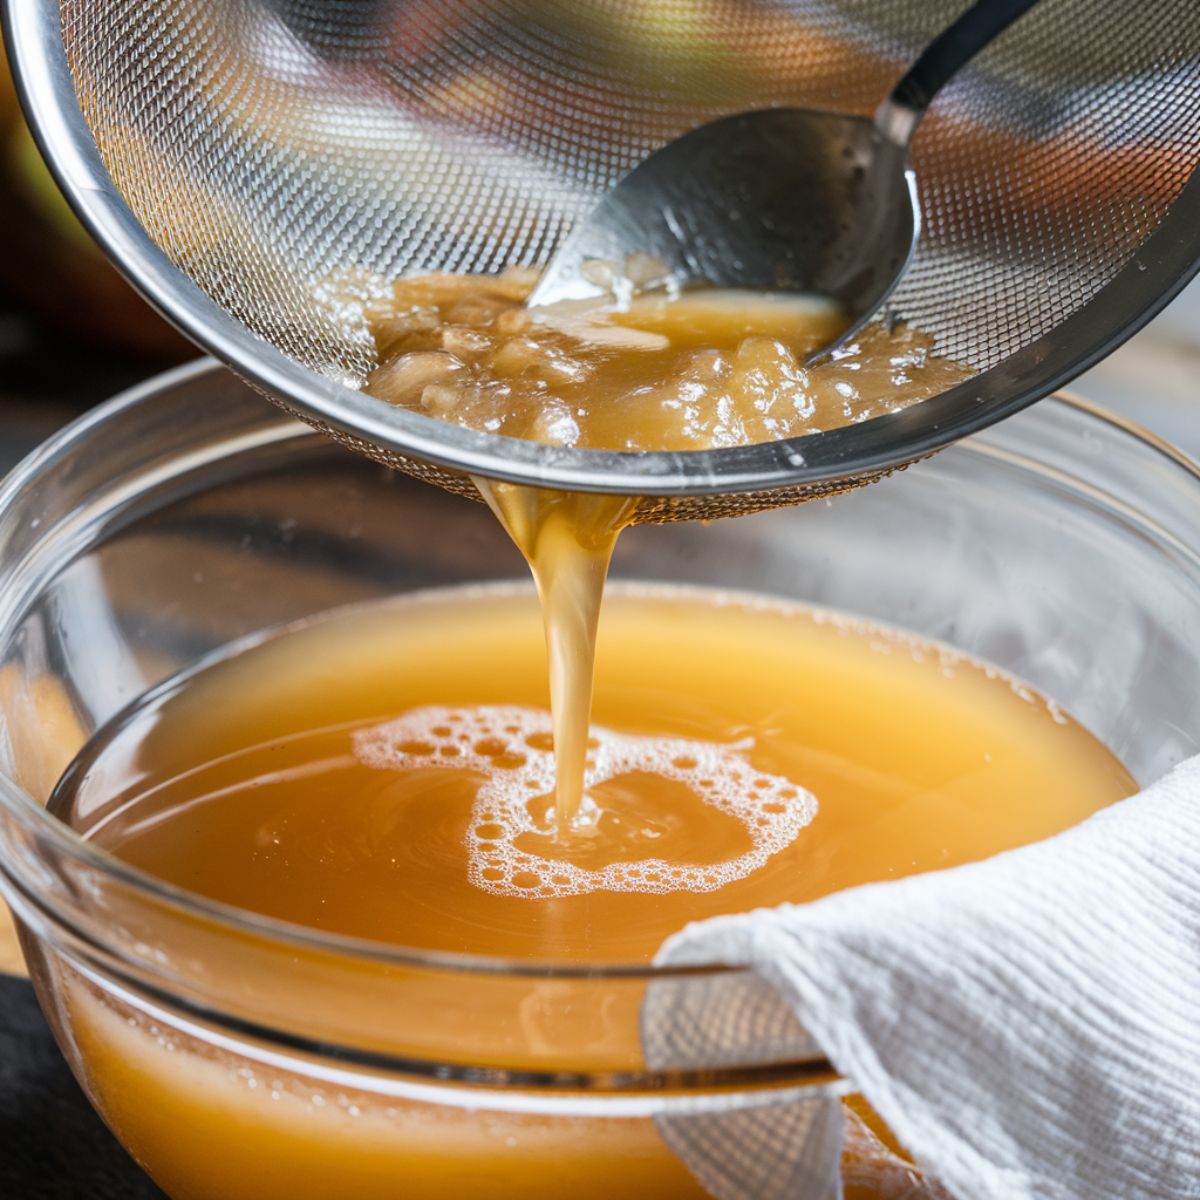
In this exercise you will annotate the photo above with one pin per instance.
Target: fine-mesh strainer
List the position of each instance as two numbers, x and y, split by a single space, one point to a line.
258 166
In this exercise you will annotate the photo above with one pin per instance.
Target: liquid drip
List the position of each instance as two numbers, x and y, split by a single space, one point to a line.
567 539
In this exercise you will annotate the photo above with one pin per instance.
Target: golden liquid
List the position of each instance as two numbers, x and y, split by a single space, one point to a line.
247 783
567 539
647 371
253 782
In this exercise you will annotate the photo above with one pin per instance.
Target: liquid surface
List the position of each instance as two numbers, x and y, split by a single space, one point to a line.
387 774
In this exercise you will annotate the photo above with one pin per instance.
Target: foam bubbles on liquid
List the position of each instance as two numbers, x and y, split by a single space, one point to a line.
511 747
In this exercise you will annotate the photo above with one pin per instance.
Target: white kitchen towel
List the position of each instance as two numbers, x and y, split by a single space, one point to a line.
1028 1026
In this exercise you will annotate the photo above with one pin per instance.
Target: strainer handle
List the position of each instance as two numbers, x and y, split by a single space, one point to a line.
951 50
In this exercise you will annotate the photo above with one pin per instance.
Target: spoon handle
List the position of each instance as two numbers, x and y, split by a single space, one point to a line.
952 49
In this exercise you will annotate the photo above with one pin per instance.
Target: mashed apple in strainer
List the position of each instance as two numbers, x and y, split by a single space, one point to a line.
648 369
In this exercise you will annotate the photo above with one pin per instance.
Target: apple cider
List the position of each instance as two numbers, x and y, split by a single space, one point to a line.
387 773
410 775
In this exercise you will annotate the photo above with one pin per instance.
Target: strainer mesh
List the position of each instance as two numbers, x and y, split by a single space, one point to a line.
651 510
291 154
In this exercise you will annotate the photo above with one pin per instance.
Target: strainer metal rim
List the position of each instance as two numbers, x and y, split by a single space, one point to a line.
1165 262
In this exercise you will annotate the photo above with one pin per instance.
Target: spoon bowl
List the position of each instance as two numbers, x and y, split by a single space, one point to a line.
787 199
784 199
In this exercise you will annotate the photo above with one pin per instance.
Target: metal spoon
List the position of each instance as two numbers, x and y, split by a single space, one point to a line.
784 199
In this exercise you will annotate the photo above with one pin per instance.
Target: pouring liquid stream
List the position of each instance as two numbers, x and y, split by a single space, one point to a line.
652 370
568 540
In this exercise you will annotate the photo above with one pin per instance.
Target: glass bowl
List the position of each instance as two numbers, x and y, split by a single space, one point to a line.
1061 546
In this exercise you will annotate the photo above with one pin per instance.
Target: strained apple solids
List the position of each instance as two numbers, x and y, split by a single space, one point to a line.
645 370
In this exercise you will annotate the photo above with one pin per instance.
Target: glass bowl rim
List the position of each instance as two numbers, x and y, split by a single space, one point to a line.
34 819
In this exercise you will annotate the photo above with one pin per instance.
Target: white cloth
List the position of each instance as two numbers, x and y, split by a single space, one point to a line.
1028 1026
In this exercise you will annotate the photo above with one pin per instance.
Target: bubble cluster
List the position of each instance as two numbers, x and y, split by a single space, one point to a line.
511 748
